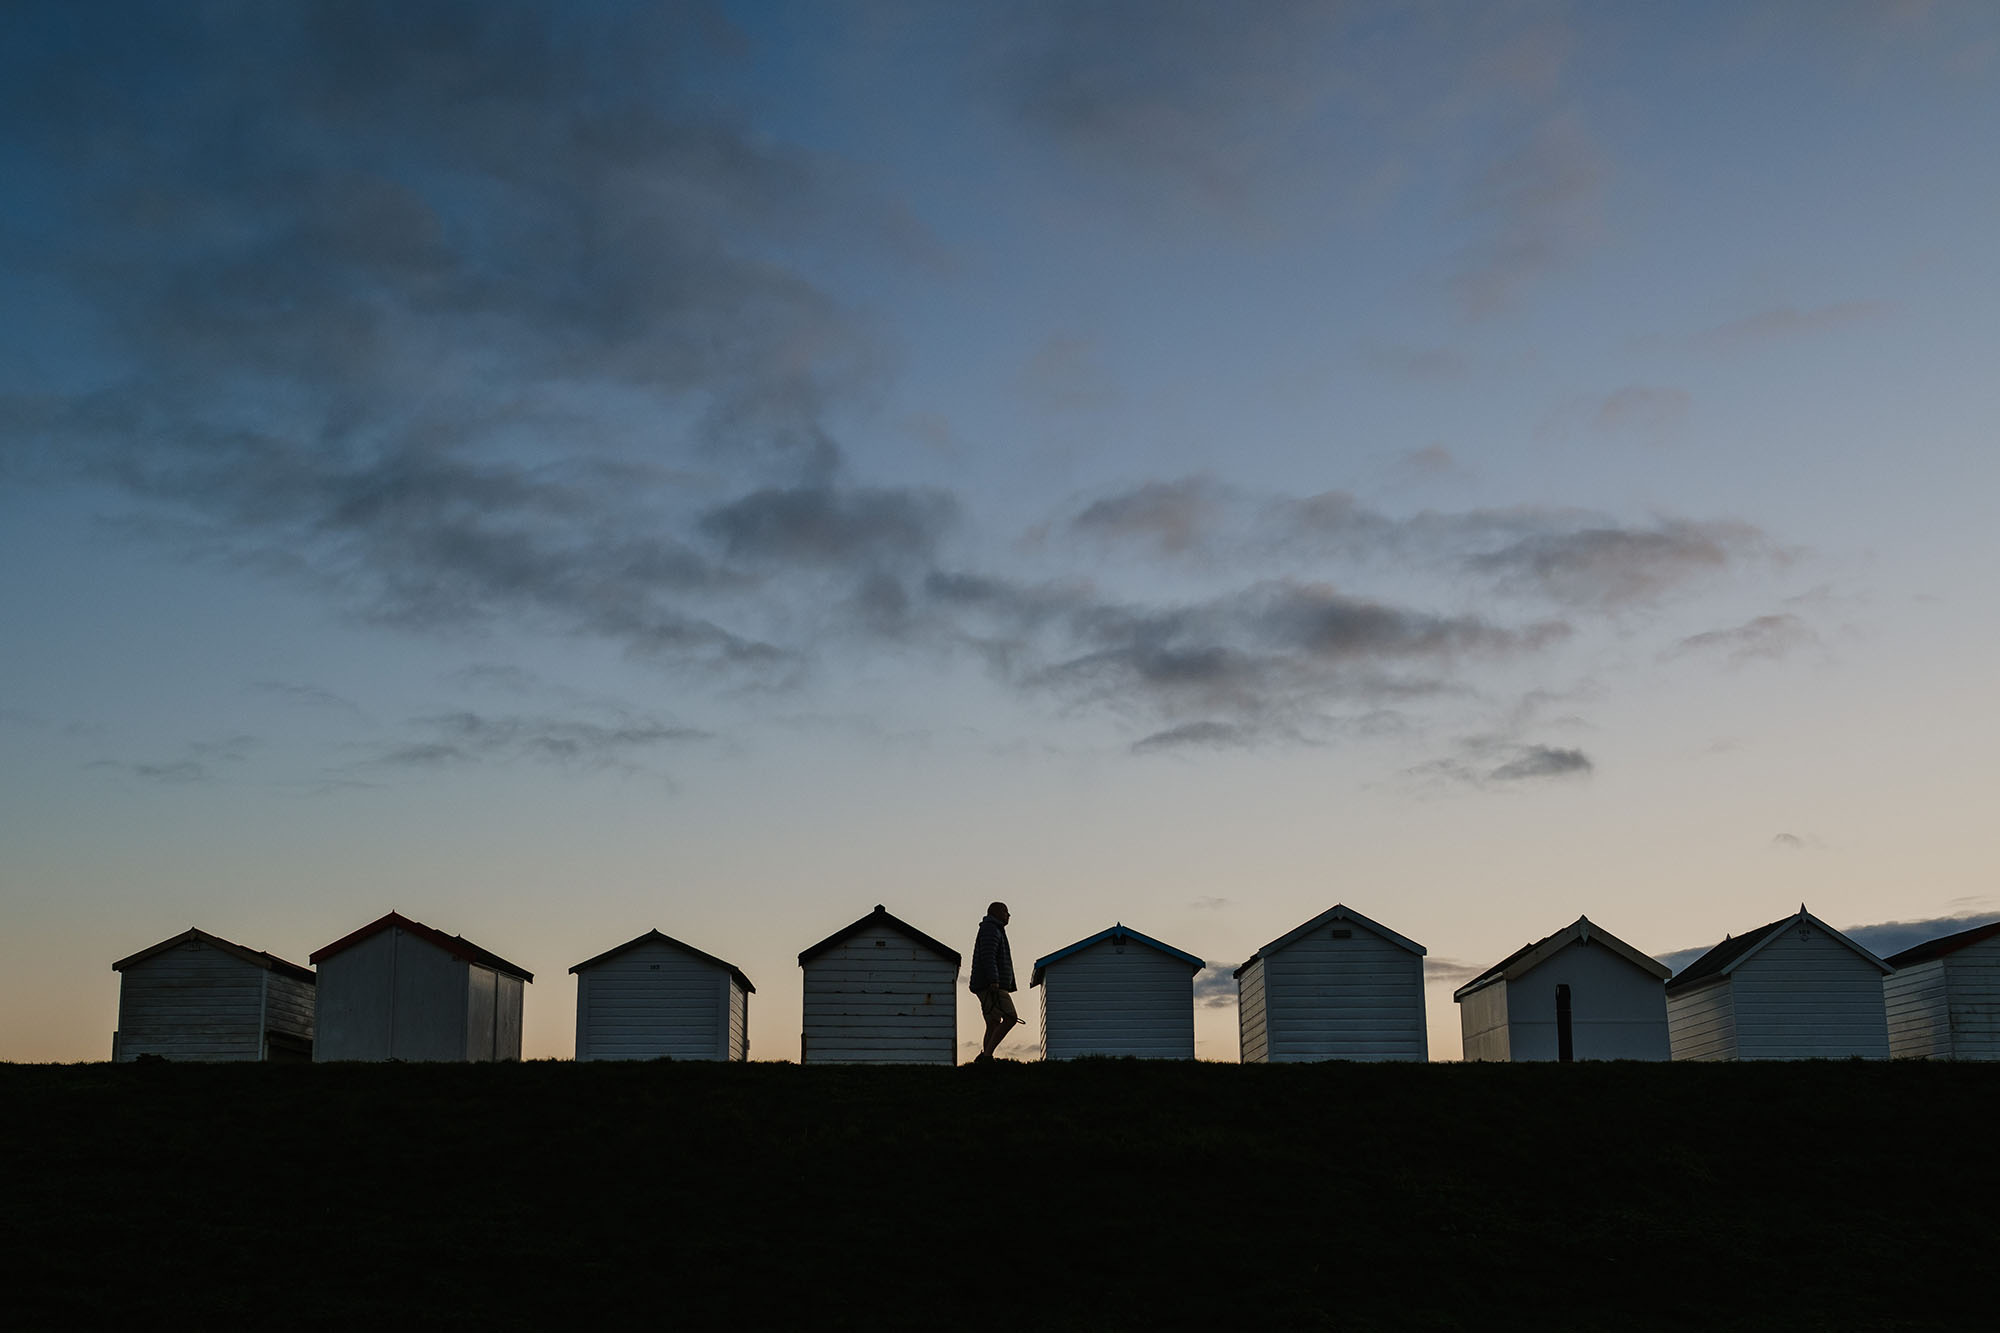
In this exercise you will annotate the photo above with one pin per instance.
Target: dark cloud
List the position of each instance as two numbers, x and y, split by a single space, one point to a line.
1575 557
1171 516
1542 761
467 737
1198 99
820 525
1494 761
1199 735
1768 637
1214 987
441 307
1611 567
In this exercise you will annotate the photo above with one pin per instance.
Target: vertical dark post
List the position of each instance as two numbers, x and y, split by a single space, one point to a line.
1565 1047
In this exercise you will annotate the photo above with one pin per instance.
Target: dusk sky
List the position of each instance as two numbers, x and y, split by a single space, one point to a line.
562 471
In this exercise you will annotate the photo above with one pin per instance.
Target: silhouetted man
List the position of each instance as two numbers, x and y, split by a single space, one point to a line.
993 978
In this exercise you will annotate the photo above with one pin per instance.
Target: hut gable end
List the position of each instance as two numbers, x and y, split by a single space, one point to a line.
879 991
654 997
1340 987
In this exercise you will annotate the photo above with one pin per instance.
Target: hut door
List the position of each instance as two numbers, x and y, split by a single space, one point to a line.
1565 1047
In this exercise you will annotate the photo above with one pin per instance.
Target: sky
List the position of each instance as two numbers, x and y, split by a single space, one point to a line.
563 471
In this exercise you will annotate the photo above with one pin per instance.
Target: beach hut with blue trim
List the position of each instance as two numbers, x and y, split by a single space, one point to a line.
1117 993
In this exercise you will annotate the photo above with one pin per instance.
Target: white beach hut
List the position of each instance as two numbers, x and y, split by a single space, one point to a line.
880 991
397 989
1117 993
654 997
1580 994
1796 989
199 997
1339 987
1943 998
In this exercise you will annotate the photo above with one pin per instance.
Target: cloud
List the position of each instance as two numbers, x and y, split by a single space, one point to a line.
453 313
1782 322
1494 761
1450 971
1200 735
1172 517
1790 842
1607 568
1209 904
822 525
467 737
304 695
1765 638
1542 761
1214 987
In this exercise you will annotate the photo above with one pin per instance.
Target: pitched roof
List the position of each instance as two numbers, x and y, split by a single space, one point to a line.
1117 932
879 917
457 946
1531 956
1732 953
257 957
655 937
1337 912
1943 945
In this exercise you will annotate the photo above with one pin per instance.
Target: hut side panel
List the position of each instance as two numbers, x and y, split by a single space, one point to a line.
1482 1023
1252 1016
289 1006
194 1002
1617 1011
880 997
1807 996
509 994
1345 993
1701 1023
1972 976
648 1002
1118 997
1918 1012
481 1015
739 1021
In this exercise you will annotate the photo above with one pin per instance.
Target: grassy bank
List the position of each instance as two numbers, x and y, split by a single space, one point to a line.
1094 1195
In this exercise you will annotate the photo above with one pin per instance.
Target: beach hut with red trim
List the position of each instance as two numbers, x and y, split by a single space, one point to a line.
397 989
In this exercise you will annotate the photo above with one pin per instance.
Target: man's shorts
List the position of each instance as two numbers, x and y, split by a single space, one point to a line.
997 1003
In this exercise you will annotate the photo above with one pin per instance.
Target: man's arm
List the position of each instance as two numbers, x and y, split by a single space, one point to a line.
984 968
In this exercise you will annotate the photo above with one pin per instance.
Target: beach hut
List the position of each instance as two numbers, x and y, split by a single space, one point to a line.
1339 987
654 997
1943 999
1117 993
880 991
1796 989
397 989
199 997
1580 994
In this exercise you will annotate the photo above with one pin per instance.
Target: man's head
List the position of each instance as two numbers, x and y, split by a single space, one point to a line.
998 911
